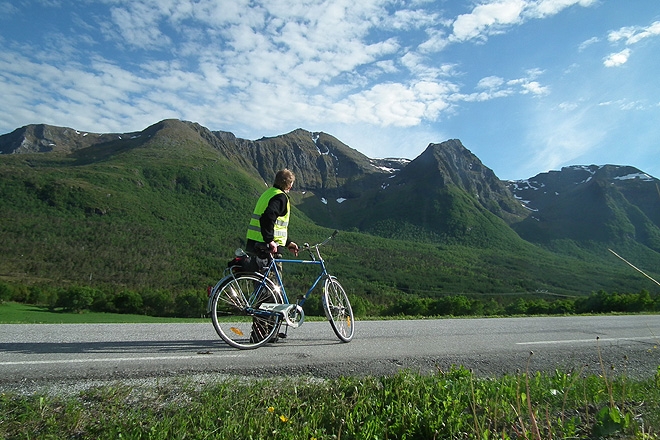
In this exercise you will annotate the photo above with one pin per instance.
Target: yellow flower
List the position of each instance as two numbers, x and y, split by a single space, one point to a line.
271 409
284 418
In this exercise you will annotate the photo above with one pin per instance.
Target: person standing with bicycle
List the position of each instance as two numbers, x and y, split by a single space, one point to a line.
268 229
270 220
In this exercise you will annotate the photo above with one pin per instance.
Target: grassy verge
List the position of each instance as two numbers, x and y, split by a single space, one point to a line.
17 313
448 405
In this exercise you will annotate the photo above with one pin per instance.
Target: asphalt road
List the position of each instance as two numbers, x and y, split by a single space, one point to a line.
45 353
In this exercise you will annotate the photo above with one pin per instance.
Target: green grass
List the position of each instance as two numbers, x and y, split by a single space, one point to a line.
447 405
15 313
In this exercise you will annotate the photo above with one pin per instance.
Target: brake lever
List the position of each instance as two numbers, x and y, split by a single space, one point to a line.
308 248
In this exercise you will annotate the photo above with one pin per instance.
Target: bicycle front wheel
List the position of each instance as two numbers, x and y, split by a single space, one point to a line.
338 309
233 306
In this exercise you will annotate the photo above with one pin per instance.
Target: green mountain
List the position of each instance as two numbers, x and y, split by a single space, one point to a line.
166 207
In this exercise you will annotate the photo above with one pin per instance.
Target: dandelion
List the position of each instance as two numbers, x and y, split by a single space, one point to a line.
284 418
271 409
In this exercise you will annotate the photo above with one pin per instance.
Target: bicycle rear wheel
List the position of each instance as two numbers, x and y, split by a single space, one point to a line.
338 309
232 311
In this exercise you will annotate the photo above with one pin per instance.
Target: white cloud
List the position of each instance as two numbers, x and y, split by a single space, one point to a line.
412 18
492 17
436 42
545 8
486 19
422 68
534 88
617 59
395 104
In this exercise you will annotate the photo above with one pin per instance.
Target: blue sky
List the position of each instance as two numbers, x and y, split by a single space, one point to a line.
527 85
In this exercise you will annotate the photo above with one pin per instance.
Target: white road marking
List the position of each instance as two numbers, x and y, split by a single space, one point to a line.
574 341
82 361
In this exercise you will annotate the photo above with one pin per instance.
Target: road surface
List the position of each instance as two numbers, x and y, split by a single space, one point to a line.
44 353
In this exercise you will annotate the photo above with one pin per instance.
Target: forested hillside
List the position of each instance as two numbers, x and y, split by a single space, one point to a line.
164 210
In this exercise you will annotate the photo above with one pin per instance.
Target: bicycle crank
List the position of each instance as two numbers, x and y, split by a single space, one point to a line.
293 314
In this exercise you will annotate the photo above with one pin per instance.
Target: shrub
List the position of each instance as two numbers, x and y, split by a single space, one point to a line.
75 298
128 302
5 292
190 304
157 302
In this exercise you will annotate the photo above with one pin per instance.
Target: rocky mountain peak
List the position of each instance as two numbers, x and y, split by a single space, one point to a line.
450 163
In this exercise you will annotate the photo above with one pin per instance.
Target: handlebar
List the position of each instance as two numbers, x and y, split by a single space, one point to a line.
306 246
263 247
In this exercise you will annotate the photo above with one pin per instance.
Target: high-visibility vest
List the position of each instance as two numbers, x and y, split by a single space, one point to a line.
280 229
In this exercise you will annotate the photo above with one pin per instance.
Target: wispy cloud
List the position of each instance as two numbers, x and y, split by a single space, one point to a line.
634 34
562 137
493 87
585 44
7 9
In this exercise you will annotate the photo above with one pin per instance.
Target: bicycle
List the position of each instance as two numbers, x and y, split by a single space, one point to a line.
248 308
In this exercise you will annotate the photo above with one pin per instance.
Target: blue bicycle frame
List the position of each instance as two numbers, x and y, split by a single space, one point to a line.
272 268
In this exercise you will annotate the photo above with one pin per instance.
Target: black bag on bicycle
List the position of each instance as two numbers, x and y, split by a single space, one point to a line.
248 263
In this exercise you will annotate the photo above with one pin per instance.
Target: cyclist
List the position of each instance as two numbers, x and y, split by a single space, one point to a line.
270 219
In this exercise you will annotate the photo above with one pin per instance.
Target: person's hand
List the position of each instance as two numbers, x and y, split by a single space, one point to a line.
293 248
272 247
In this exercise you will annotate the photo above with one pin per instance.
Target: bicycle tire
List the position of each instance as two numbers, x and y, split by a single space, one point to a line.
338 309
232 322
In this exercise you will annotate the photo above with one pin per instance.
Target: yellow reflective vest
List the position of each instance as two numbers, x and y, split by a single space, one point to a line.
280 229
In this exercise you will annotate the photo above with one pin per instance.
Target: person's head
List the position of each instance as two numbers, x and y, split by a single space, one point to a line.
284 179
